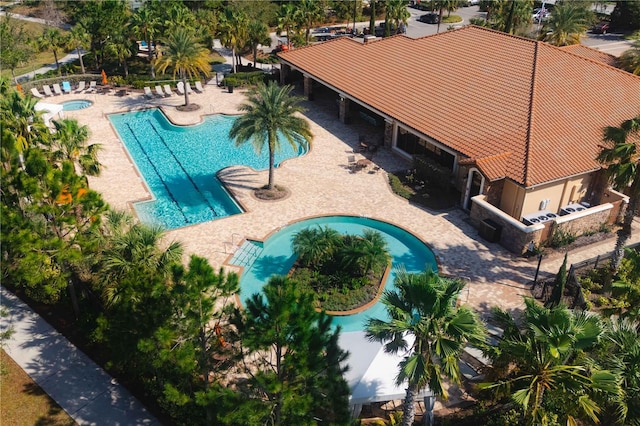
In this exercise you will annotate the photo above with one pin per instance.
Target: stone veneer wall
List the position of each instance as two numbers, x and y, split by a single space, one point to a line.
493 192
388 133
583 223
513 237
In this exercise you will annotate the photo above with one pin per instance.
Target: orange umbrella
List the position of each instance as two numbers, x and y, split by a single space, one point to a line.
19 88
104 77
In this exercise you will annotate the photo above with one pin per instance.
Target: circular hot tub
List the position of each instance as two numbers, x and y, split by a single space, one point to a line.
76 105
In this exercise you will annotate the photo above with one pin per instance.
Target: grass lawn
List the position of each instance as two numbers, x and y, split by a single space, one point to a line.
22 402
40 58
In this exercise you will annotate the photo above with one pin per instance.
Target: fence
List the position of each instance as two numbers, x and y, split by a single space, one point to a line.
573 296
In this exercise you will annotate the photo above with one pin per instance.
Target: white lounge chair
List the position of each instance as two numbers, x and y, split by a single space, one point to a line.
167 90
56 89
92 86
35 93
148 93
180 88
81 86
189 91
47 90
159 92
199 87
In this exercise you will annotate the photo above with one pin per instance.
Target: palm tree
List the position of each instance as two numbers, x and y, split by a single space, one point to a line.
427 326
185 56
145 24
78 39
540 355
270 116
308 13
313 245
567 24
286 21
70 140
233 31
119 46
397 12
623 169
51 39
257 33
630 59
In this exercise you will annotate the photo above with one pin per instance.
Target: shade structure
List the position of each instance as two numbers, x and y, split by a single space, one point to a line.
372 372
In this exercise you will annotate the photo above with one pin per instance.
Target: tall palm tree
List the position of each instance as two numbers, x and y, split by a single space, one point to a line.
397 12
540 355
233 31
185 56
257 33
308 13
145 23
427 326
313 245
286 17
69 143
51 39
270 116
119 45
567 24
621 157
78 39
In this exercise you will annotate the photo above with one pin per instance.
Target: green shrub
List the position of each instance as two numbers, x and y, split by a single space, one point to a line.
451 19
561 238
398 188
601 301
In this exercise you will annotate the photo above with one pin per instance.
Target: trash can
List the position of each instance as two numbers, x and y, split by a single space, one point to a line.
490 230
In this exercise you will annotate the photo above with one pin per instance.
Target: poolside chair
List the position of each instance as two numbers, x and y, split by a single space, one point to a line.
180 88
147 92
199 87
351 160
189 91
92 86
81 86
47 90
66 87
159 92
35 93
56 89
167 90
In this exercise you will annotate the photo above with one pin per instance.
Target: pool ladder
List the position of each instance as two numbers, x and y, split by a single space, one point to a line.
246 254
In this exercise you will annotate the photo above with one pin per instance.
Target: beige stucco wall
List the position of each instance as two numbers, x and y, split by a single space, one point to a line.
561 193
512 199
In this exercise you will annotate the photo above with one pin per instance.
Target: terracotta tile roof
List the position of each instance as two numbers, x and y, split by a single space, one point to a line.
588 52
484 94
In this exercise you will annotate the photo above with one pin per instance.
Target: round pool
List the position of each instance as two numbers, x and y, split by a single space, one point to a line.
275 256
76 105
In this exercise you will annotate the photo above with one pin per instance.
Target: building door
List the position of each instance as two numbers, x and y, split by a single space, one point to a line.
475 182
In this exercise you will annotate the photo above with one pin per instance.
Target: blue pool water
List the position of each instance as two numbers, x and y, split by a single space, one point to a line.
180 163
76 105
275 256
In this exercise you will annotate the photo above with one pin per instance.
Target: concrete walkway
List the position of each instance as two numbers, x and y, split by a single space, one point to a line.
85 391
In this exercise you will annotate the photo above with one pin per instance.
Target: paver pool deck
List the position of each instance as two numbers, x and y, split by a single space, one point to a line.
321 184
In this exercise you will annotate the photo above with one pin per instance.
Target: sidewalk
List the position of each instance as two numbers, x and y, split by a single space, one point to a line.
85 391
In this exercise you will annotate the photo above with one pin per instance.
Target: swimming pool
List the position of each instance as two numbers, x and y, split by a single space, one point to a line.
76 105
261 260
179 165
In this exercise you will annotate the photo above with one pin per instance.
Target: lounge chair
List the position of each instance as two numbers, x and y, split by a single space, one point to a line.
159 92
81 86
56 89
199 87
47 90
148 93
36 94
92 86
180 88
66 87
167 90
189 91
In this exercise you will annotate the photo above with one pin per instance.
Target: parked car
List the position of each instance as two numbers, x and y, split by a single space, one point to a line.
540 15
600 28
429 18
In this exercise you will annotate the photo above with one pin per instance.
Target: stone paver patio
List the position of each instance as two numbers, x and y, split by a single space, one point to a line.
320 184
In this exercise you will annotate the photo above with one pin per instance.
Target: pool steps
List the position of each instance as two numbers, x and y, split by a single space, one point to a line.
247 253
